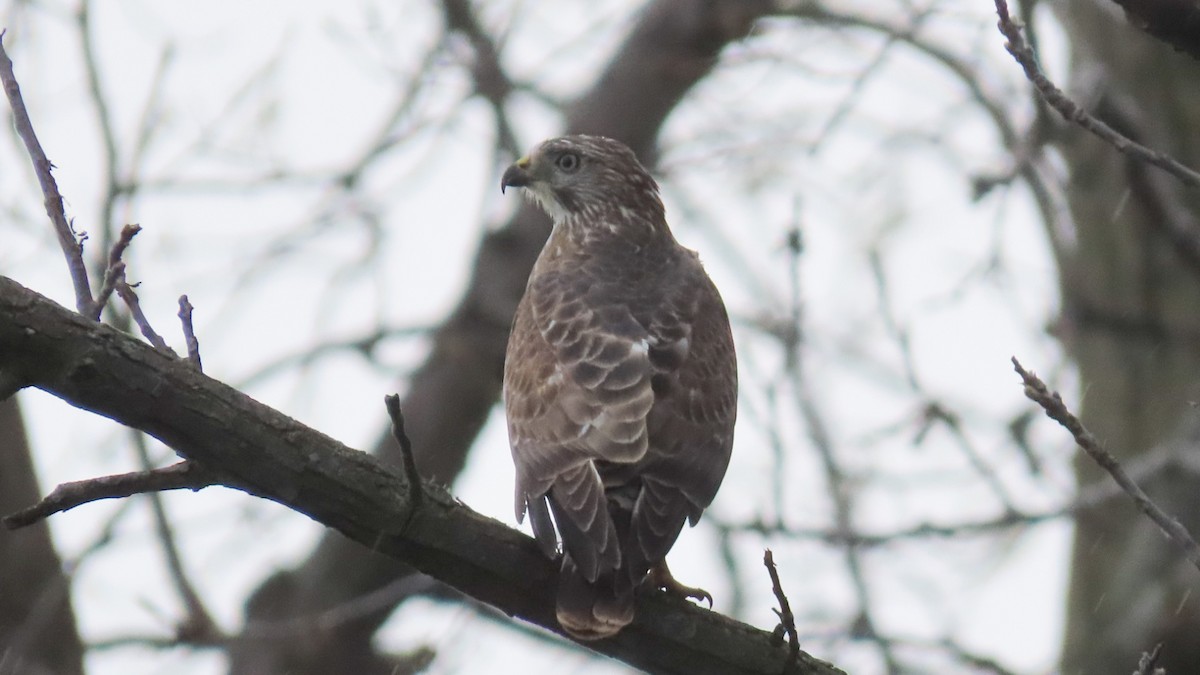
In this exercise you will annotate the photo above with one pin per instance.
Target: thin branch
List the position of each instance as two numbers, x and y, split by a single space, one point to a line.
1052 403
125 290
1073 113
392 403
70 242
189 333
787 621
1148 663
115 271
183 475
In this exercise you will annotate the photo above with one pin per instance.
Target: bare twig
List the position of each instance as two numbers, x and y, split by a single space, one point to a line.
1052 403
115 271
392 403
71 243
1148 664
189 332
139 317
1073 113
787 622
183 475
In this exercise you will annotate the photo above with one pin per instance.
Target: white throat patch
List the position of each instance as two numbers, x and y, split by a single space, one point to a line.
543 196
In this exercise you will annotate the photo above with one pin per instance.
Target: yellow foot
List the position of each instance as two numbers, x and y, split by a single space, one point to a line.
660 577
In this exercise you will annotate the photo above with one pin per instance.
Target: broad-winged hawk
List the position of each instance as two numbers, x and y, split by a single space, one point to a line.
620 382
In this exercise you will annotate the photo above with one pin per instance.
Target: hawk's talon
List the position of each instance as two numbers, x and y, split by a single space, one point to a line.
660 577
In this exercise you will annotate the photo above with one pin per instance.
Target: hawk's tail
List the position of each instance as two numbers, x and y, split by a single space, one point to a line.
591 611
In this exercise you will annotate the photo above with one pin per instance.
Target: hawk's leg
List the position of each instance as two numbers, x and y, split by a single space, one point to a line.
660 577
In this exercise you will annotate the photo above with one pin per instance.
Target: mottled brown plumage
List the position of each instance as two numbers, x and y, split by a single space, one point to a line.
620 382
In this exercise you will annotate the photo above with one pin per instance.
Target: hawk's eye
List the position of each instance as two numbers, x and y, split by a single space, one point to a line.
568 161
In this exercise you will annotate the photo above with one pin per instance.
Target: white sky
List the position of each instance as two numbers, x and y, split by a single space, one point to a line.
256 87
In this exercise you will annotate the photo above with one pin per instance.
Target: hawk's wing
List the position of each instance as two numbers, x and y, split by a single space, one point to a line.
691 424
577 389
648 388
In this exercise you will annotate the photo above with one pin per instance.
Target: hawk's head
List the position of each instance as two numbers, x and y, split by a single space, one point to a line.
586 175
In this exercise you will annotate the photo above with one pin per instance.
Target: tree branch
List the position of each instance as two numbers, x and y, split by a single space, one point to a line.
1073 113
1052 403
114 272
189 333
787 621
270 455
183 475
72 246
411 475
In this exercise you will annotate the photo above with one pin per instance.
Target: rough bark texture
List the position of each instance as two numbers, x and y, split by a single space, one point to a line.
270 455
673 45
1131 310
37 625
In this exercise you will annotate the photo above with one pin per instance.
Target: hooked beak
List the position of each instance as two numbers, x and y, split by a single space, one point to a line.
516 175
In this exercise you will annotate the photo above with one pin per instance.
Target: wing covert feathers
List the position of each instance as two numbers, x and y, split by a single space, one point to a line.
620 386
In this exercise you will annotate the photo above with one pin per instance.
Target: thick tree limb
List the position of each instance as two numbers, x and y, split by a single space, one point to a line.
272 456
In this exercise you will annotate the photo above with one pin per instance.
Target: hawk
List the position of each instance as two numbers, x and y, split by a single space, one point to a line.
620 382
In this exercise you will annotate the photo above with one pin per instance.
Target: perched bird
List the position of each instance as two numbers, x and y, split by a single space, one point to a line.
620 382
